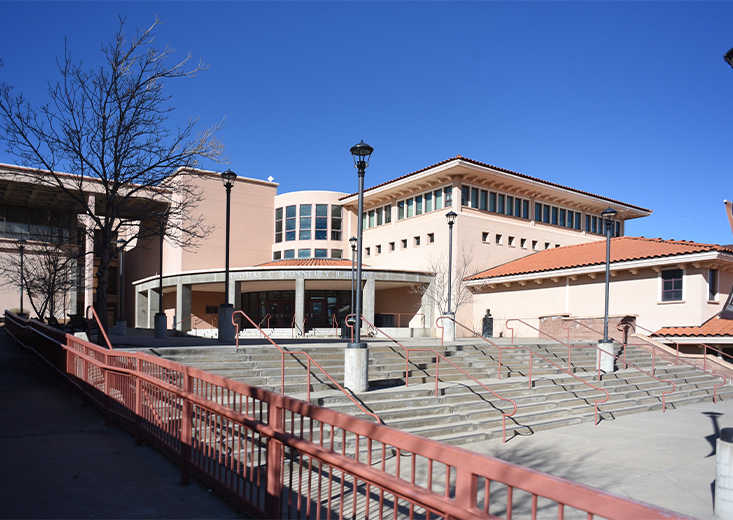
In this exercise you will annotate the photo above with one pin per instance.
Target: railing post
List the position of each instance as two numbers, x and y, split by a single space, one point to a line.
186 428
274 457
466 489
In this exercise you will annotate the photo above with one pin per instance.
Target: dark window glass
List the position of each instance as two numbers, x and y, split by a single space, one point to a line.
465 195
672 285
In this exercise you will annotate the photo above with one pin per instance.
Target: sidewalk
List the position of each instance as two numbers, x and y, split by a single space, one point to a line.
61 461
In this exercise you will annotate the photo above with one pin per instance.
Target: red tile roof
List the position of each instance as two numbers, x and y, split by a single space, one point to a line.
308 262
623 249
521 175
714 327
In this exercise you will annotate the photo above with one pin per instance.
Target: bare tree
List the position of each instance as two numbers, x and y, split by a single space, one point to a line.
107 127
437 292
49 262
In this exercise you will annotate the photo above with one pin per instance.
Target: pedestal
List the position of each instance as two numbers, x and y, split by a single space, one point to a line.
161 325
724 475
356 367
607 361
121 327
449 326
227 331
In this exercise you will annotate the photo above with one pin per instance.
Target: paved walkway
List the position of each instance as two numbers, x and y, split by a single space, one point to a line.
64 463
60 460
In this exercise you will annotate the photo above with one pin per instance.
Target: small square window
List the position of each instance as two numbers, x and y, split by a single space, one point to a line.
277 255
417 241
368 251
379 249
511 241
404 243
672 285
431 238
391 246
534 245
523 243
547 245
485 236
498 239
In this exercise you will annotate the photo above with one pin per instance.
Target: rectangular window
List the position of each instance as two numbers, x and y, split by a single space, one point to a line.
410 207
289 253
372 218
510 205
336 222
278 225
322 224
290 223
304 253
498 239
429 202
546 214
391 246
562 217
304 234
484 236
534 245
538 212
418 205
438 199
321 253
277 255
465 195
594 224
388 213
417 241
523 243
525 209
712 284
368 251
401 210
431 238
554 216
448 193
672 285
337 253
474 197
577 220
501 199
380 219
483 203
511 241
492 202
379 249
404 243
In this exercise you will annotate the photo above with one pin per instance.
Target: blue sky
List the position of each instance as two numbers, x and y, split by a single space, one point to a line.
631 100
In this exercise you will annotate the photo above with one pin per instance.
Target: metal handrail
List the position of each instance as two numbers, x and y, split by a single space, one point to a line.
310 361
596 403
267 317
99 324
413 314
677 356
626 364
438 357
334 321
294 325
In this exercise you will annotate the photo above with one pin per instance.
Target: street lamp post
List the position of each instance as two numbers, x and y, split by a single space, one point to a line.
449 326
161 320
121 322
352 243
606 360
226 309
356 375
21 247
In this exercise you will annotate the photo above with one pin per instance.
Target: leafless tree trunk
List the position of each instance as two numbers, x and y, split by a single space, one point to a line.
107 126
437 292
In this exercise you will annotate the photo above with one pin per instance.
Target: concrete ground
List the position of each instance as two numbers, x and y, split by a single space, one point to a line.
62 462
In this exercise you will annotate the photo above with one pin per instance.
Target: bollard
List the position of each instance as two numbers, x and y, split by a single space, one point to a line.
724 475
605 358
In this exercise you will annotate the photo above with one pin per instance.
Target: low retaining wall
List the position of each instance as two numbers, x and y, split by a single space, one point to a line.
588 328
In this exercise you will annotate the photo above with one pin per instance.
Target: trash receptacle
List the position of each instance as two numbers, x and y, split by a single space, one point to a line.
487 330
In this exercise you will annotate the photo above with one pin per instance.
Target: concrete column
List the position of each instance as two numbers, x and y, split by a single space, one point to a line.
152 307
368 301
456 194
141 310
724 475
607 361
426 303
183 307
356 369
237 292
232 296
299 304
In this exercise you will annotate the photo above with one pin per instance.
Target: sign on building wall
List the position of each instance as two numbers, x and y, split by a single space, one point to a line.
727 312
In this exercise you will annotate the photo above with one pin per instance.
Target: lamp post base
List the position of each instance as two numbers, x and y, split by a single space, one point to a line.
449 326
226 327
161 325
356 367
605 355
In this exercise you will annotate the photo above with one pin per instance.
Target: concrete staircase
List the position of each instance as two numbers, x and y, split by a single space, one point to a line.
463 411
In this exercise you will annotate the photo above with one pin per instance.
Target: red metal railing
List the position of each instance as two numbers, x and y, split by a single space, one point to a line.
277 457
438 357
310 360
411 314
266 318
648 343
99 326
531 354
623 361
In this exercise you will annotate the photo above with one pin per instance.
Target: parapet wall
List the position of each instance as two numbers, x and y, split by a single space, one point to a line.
589 328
